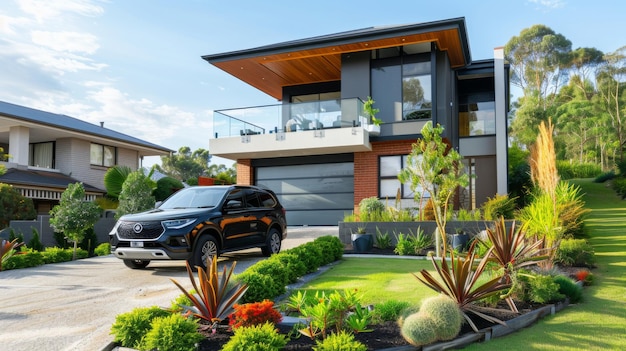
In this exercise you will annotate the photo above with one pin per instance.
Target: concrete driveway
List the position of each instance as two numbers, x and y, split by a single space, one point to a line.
72 305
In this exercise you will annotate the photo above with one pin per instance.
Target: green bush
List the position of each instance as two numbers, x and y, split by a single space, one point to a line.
294 267
446 315
568 170
619 186
412 243
569 288
332 248
575 252
165 187
341 341
498 206
543 289
310 254
179 301
382 240
604 177
256 338
260 286
274 269
130 327
56 255
419 329
26 258
389 310
103 249
14 206
172 333
370 209
35 241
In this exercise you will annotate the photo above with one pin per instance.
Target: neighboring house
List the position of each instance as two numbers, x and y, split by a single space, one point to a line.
319 152
48 151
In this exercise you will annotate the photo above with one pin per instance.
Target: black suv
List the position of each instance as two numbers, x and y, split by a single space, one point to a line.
198 222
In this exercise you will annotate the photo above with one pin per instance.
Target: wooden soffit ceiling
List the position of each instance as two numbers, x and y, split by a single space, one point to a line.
274 68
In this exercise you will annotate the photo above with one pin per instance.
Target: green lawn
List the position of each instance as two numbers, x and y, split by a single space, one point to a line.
599 323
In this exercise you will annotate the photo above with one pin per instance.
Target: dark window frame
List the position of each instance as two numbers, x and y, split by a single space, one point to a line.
102 161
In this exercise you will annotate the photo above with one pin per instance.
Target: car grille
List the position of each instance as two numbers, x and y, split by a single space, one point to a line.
149 230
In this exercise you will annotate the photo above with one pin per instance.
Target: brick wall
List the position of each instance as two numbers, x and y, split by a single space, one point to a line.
366 167
244 172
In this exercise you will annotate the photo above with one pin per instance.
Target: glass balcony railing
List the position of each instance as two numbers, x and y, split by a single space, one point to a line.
294 117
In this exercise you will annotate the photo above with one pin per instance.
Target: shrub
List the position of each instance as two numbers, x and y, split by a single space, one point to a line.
256 338
130 327
389 310
498 206
56 255
569 288
35 241
103 249
255 313
604 177
412 243
568 170
294 267
446 316
165 187
619 186
571 209
331 247
178 302
370 209
172 333
274 269
341 341
310 254
575 252
419 329
543 289
382 240
260 286
89 242
14 206
26 258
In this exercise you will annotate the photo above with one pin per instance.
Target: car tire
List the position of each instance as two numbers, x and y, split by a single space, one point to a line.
273 244
206 247
136 264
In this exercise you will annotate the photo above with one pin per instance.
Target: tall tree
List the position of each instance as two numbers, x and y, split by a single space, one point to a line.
73 215
186 164
611 85
136 195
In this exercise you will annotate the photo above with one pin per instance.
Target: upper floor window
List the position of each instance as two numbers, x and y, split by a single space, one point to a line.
416 91
478 118
102 155
41 155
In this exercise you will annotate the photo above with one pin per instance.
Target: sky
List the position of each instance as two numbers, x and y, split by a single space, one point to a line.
136 64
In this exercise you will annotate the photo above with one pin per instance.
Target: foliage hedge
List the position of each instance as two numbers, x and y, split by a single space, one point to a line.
31 258
568 170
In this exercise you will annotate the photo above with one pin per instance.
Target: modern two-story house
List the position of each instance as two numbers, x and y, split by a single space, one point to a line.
48 151
321 153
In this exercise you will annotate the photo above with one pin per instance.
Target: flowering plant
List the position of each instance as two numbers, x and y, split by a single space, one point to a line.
255 313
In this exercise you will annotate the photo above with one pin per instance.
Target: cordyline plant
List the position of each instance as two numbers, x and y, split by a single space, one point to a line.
7 250
459 281
213 300
512 250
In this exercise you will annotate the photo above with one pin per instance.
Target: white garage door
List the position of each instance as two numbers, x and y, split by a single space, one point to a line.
313 194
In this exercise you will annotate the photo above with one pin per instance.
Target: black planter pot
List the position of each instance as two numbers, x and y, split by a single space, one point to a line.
362 242
459 242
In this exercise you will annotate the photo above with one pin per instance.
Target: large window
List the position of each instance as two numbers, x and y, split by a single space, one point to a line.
42 155
389 168
102 155
402 87
478 118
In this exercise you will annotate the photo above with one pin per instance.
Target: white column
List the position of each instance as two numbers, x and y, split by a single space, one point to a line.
18 144
501 90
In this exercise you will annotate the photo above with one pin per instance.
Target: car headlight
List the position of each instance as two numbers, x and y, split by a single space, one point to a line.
177 223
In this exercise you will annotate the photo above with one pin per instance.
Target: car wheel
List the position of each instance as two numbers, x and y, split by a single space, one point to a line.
206 248
274 241
136 264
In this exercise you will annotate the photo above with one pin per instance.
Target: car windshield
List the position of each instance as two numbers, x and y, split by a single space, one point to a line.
199 197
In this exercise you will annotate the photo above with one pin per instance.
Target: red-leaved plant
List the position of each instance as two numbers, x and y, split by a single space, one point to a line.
582 274
254 313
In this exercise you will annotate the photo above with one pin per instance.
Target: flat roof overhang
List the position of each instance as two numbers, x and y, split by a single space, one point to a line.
318 59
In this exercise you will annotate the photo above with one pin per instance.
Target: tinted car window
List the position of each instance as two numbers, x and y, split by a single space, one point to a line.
266 199
252 200
194 198
234 200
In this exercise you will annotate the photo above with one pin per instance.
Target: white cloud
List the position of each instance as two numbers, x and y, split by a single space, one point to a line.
46 9
66 41
550 4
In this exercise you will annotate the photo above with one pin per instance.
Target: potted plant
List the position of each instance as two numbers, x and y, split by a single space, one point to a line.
362 241
460 240
368 107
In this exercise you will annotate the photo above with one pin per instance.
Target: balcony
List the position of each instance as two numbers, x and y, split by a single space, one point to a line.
283 130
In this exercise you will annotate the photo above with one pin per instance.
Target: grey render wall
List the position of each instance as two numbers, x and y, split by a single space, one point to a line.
46 233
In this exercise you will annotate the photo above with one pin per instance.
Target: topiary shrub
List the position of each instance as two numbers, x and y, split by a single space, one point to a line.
341 341
446 315
173 333
419 329
256 338
294 267
165 187
569 288
332 248
103 249
130 327
310 254
260 286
